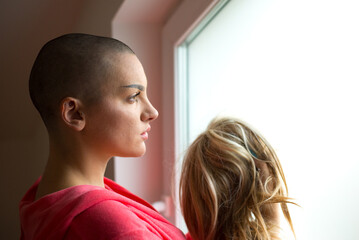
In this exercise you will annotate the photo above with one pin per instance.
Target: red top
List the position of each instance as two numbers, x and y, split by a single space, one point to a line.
91 212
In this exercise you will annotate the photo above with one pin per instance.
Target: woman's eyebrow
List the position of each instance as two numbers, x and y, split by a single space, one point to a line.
138 86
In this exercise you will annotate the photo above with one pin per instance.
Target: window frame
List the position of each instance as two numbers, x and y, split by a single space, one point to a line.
184 25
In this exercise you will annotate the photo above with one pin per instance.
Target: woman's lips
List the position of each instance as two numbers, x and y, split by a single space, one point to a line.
144 135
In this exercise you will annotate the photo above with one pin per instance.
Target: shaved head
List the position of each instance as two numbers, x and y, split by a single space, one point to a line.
73 65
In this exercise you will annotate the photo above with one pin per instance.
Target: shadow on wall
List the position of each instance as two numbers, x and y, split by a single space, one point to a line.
25 26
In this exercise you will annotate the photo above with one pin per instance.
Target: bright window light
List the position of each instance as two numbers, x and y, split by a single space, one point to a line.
290 69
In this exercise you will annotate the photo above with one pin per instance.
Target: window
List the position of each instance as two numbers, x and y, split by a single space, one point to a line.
290 69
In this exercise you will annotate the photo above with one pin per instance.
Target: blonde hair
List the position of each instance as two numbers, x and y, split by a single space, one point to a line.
223 194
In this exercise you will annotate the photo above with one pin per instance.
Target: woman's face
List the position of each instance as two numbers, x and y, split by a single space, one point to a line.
118 124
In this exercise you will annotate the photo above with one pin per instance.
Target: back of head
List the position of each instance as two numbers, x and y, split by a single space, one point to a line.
221 190
72 65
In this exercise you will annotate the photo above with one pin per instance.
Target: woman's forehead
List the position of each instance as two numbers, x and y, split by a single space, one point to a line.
128 70
125 72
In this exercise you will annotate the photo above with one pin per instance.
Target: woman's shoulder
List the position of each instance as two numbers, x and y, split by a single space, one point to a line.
108 218
112 219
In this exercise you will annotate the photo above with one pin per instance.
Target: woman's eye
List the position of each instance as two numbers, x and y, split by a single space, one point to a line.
134 98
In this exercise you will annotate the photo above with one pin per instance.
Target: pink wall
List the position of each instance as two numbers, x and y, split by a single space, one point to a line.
143 176
140 24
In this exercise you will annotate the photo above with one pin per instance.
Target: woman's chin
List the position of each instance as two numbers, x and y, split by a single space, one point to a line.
137 153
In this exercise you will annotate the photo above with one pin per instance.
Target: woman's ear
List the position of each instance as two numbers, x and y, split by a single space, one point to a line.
71 113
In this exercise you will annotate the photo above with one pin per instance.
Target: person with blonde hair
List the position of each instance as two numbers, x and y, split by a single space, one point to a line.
232 185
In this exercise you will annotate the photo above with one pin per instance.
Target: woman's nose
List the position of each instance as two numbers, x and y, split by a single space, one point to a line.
150 113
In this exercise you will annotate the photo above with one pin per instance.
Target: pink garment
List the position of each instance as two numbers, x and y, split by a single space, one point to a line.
91 212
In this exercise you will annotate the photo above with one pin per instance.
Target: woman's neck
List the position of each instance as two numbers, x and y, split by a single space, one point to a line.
68 167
